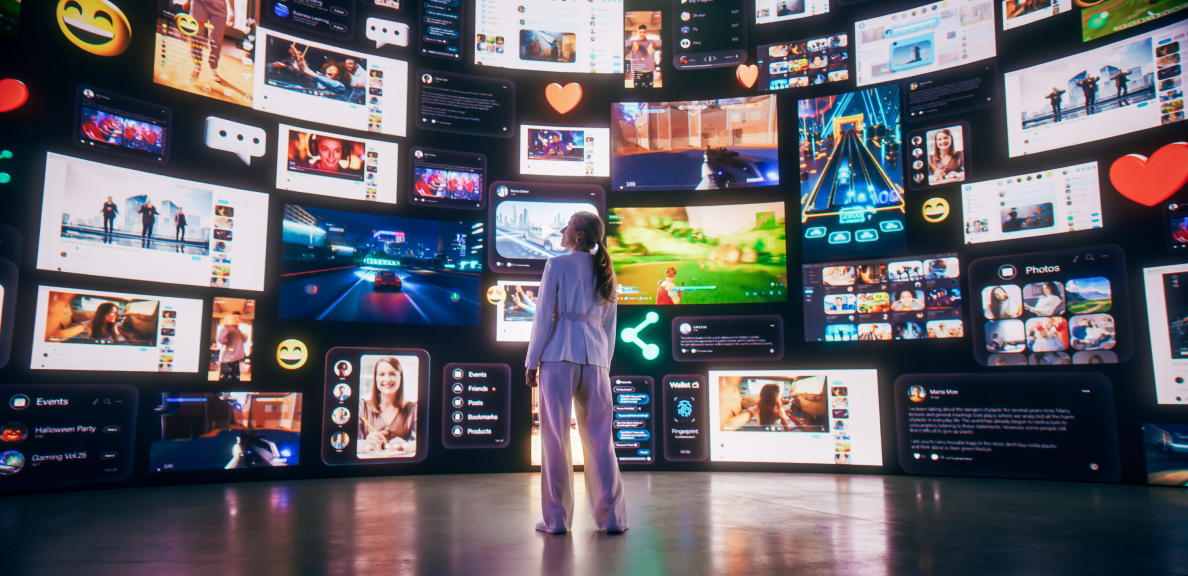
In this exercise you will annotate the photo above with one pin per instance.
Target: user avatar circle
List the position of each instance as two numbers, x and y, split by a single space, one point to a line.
14 432
501 191
427 78
684 16
916 140
419 154
917 393
343 368
686 328
685 43
340 440
11 462
88 93
918 165
18 402
342 392
340 415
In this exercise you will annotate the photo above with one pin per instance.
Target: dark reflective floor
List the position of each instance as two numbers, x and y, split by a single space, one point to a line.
681 524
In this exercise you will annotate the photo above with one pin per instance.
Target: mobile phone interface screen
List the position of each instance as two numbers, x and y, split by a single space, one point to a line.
952 91
448 179
1016 13
1075 100
727 338
1167 313
1038 204
795 416
1167 463
938 156
804 63
361 384
924 39
106 221
768 11
463 104
852 203
887 299
120 125
59 435
549 36
231 340
515 302
238 430
476 411
334 18
634 422
365 267
442 29
722 155
349 167
708 33
79 329
528 217
686 418
643 52
1176 224
1049 426
659 254
1052 308
564 151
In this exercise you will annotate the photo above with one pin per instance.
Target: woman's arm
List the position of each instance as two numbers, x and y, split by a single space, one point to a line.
542 320
609 326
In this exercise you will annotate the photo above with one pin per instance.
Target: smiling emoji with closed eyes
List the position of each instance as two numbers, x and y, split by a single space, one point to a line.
936 209
97 26
291 354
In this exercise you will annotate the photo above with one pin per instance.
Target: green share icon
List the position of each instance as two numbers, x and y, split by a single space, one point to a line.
631 335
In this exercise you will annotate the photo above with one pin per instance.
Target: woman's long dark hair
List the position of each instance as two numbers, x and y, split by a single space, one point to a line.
769 410
604 270
100 327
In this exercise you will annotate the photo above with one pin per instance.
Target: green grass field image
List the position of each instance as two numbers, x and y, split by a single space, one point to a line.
1111 15
722 254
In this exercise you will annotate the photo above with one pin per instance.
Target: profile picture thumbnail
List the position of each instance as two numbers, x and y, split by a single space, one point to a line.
11 462
917 393
340 440
340 415
13 432
342 391
1004 301
343 368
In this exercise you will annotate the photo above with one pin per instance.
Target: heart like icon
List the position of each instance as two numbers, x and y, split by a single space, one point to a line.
13 94
747 74
1150 181
563 99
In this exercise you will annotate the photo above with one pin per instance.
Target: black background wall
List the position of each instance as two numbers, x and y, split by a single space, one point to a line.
53 68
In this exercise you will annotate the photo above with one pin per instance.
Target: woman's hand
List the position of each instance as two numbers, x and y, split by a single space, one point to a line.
378 439
530 378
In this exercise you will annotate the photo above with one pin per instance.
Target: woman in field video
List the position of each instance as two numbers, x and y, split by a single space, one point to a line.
386 422
946 163
572 342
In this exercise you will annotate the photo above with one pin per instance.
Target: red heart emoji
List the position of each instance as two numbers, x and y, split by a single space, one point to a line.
13 94
563 99
1150 181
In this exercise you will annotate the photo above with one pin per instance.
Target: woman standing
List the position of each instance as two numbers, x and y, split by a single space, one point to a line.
573 340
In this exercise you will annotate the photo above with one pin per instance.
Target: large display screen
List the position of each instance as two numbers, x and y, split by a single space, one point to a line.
1167 318
225 431
354 267
377 406
1166 449
102 220
230 58
548 36
350 167
804 62
897 298
564 151
768 11
62 435
1037 204
1096 94
699 254
924 39
1052 308
695 145
795 416
77 329
1050 426
851 182
528 218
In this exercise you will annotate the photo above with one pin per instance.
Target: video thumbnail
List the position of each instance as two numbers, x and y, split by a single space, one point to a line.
851 184
642 49
1105 18
1052 308
768 11
515 302
694 145
92 330
548 46
699 254
1016 13
528 218
354 267
1166 450
231 340
225 430
448 179
1030 205
558 151
1101 93
918 41
121 125
318 162
373 413
795 416
1167 315
804 63
887 299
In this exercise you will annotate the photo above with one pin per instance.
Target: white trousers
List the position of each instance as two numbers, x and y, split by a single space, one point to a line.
561 384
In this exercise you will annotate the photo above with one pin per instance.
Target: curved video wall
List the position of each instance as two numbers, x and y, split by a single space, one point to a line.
266 239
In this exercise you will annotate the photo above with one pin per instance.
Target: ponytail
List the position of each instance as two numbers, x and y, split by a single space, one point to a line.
604 270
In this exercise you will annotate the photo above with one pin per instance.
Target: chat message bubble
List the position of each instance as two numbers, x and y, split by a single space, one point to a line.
387 32
239 139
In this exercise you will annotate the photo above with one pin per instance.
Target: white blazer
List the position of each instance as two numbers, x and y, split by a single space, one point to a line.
572 323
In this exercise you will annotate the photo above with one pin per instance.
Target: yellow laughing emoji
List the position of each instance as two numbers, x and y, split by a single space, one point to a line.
291 354
936 209
97 26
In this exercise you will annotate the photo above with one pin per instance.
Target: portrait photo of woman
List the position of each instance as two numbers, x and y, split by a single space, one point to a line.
946 156
387 407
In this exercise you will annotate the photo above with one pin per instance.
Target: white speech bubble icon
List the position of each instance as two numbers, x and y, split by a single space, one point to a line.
239 139
387 32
